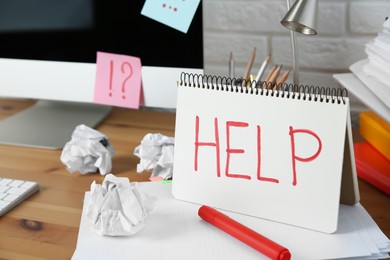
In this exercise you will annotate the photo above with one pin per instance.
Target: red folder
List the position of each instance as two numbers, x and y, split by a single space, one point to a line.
372 166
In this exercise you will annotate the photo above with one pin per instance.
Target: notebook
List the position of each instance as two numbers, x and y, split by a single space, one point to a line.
284 155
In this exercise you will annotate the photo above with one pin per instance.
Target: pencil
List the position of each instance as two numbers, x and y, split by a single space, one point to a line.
231 65
270 72
265 83
249 65
282 79
275 75
262 68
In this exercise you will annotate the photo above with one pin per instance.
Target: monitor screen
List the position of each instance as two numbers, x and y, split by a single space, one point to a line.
74 30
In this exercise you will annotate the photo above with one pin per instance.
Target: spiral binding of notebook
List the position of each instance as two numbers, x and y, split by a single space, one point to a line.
285 90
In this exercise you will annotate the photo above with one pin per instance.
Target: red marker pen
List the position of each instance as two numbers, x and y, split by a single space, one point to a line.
244 234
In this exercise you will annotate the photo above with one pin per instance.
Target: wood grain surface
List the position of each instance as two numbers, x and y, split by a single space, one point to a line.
46 225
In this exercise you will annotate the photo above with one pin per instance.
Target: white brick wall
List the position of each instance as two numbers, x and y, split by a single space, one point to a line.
344 26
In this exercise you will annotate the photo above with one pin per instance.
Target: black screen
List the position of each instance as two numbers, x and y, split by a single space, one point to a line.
115 26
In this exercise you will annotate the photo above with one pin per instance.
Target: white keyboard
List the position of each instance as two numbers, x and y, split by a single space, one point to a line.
13 192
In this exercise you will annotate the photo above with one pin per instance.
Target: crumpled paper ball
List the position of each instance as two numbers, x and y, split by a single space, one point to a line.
87 151
117 207
156 153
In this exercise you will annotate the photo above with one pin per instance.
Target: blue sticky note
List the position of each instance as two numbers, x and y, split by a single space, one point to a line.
177 14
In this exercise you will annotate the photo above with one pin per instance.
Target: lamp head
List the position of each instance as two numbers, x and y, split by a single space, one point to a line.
302 17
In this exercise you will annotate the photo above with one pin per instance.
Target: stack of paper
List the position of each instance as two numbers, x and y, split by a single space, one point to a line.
378 52
174 231
370 78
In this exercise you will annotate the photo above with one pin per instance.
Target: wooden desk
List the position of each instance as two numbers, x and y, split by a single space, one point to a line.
46 225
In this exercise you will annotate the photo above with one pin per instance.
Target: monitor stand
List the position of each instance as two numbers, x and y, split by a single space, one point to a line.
49 124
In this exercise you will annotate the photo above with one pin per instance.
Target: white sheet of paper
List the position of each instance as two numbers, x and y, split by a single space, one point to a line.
357 88
174 231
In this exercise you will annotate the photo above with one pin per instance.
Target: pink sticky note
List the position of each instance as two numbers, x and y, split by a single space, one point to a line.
118 80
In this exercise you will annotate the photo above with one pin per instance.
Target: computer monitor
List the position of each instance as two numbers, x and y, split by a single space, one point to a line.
48 53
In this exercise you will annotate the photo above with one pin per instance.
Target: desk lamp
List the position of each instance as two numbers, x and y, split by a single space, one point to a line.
301 17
